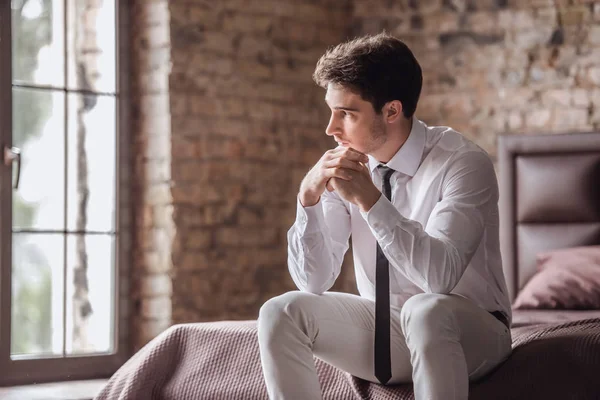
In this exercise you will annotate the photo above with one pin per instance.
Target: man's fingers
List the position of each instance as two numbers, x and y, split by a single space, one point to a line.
343 163
354 155
349 153
338 172
365 168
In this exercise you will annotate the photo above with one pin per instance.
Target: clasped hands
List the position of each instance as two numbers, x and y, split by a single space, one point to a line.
344 170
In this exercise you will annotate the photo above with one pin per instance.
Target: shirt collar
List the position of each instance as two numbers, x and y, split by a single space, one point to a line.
408 158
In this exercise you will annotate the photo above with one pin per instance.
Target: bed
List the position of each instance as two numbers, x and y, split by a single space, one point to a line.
550 199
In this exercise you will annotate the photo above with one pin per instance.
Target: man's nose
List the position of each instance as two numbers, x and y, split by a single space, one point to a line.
332 127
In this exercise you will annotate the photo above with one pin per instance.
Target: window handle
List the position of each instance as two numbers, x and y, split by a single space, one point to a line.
11 154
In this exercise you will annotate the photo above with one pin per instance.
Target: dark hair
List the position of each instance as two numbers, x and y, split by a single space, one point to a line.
380 68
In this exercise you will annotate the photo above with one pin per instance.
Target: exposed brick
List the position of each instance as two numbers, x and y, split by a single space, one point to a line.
158 194
255 69
378 9
156 285
156 307
594 75
205 62
262 110
247 237
546 16
162 216
556 97
198 239
158 171
155 239
572 119
581 98
152 262
575 15
151 134
595 97
205 216
148 329
154 81
594 34
595 118
252 46
515 121
293 72
179 105
516 19
596 11
440 22
178 12
538 118
191 261
239 21
153 14
206 17
482 21
233 107
155 36
268 7
197 194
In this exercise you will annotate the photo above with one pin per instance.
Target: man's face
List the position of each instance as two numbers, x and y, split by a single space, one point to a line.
353 121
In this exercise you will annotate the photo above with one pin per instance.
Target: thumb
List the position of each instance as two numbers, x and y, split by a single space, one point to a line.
365 169
329 185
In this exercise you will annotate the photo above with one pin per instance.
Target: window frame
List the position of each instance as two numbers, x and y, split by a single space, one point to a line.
69 367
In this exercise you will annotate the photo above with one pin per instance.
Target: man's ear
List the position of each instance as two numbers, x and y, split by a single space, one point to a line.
392 111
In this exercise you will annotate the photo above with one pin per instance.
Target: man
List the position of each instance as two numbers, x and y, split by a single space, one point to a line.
421 205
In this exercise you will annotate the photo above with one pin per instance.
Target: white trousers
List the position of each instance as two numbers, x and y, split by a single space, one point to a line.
439 342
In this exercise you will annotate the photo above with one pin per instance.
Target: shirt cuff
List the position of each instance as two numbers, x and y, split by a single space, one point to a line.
308 219
382 218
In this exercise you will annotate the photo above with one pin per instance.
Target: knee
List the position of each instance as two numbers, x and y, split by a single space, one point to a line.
280 312
426 313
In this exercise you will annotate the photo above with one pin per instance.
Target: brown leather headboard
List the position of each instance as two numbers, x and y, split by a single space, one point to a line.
549 198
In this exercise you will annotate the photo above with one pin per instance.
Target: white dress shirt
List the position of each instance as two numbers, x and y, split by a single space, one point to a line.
439 231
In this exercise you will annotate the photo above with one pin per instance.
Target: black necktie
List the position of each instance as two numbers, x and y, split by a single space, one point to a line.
383 362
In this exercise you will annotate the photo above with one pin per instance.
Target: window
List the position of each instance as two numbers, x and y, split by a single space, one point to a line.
63 191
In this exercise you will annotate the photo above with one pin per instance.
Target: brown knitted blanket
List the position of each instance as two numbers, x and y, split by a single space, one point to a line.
220 360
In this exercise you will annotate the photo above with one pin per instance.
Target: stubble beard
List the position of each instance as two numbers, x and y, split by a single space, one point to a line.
378 135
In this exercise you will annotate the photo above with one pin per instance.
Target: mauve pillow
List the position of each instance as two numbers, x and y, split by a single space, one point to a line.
566 279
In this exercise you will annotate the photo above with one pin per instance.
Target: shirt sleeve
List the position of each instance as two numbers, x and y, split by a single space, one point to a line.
435 257
317 242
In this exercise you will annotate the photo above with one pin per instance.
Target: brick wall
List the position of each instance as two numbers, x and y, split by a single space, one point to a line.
499 66
224 137
151 286
226 121
247 122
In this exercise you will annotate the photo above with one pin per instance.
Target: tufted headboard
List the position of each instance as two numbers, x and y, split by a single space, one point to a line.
549 198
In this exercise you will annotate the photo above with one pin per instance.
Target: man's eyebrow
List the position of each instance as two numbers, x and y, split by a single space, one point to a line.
343 108
346 109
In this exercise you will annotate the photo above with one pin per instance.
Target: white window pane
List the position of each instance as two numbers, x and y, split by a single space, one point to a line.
92 46
90 294
91 153
37 294
38 42
38 130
